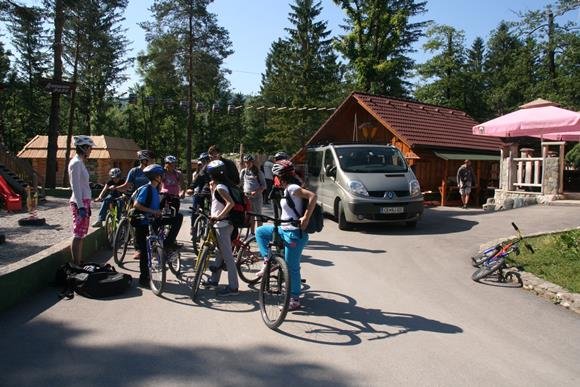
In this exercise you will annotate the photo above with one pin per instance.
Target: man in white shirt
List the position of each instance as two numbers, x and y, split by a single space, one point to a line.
269 176
80 200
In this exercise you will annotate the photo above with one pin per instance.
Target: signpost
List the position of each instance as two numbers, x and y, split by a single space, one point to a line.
60 87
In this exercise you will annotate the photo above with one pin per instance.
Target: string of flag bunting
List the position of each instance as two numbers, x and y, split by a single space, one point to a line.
201 107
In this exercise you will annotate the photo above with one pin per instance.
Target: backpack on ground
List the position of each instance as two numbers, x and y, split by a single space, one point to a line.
239 214
91 280
316 223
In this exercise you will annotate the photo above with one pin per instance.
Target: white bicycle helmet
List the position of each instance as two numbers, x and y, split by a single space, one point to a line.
115 172
83 141
171 159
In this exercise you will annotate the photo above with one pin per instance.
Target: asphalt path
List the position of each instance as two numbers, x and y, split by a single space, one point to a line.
383 305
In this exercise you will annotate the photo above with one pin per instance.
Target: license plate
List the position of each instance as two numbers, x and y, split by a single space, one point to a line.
392 210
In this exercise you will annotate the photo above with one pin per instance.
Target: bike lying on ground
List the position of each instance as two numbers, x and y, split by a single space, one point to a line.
493 260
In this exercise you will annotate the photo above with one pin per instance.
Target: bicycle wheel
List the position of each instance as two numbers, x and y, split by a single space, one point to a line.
487 269
200 267
174 262
479 259
515 277
197 232
157 268
121 241
249 261
274 295
110 225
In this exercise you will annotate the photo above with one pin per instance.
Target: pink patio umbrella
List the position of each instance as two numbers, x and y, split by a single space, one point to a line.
538 118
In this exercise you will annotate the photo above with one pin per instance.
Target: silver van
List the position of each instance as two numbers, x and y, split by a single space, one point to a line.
364 183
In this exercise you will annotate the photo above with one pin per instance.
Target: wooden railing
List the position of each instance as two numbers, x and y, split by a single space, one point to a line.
528 171
22 169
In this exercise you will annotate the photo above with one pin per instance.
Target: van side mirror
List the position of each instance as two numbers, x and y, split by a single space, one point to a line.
330 171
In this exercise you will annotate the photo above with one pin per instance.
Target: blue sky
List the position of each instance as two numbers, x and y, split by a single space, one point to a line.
254 24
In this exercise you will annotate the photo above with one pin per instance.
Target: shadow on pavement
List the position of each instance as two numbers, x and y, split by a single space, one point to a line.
440 221
48 353
349 324
323 245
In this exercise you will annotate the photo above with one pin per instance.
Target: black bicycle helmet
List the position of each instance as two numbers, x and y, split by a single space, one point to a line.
153 170
216 168
281 156
115 172
144 155
249 157
204 157
283 167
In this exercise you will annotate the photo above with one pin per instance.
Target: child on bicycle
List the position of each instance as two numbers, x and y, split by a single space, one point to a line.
221 205
293 235
116 180
147 201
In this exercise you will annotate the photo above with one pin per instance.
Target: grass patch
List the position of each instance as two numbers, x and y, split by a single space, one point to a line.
556 259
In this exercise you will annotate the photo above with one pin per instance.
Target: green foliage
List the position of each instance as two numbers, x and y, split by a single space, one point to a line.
556 259
573 156
301 70
379 35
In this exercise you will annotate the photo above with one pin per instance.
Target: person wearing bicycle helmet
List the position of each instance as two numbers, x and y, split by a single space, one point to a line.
147 202
199 187
221 205
171 184
231 169
293 235
115 180
80 200
253 184
276 191
136 178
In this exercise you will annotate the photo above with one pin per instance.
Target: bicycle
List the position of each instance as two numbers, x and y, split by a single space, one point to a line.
496 262
124 235
274 293
247 257
158 258
199 228
116 209
207 250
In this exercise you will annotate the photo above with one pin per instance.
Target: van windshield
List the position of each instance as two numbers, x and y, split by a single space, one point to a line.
371 160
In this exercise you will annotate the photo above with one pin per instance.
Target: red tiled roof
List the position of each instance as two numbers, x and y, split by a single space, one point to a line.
425 125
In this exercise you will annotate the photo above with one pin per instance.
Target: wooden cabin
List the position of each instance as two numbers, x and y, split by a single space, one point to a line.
434 139
110 152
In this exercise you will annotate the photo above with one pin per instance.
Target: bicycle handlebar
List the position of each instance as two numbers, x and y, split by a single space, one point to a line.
277 221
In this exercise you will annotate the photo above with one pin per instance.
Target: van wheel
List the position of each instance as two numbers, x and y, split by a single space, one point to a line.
342 223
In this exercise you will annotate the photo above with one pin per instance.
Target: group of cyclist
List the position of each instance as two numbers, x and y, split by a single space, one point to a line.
153 188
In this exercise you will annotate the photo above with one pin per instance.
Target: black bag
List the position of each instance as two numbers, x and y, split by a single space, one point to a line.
316 223
239 214
92 280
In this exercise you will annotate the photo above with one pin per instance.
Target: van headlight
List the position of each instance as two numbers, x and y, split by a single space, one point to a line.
358 188
414 188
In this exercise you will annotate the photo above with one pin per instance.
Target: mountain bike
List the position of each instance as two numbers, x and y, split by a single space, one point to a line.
207 250
116 209
158 257
199 227
274 293
247 257
124 235
496 263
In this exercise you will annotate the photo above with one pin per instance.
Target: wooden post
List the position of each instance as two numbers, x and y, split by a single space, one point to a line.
444 184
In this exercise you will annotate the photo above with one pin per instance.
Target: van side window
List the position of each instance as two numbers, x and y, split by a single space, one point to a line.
328 159
314 163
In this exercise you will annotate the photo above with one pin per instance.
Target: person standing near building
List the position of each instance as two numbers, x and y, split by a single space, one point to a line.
465 181
269 176
80 200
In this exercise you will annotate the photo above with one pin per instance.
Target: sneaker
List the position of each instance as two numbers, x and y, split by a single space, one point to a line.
227 291
294 304
98 223
209 284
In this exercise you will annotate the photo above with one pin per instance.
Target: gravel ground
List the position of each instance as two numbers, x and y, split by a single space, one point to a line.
24 241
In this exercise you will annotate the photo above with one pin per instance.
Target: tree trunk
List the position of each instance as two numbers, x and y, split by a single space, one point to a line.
54 120
551 49
71 113
190 101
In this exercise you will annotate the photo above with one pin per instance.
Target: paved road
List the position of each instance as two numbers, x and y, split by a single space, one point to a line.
385 306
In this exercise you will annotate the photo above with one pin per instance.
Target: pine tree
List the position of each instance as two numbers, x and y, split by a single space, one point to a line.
475 81
445 69
379 37
301 70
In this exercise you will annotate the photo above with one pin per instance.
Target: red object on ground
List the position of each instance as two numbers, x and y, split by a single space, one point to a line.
12 199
